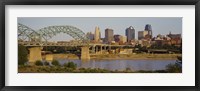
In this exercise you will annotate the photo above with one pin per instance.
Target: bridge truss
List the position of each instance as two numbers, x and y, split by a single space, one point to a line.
28 36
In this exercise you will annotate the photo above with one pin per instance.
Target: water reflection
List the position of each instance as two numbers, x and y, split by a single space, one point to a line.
122 64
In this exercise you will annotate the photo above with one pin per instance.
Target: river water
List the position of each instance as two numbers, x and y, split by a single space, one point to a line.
134 65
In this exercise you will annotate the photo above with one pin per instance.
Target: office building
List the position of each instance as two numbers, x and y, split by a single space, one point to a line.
108 35
123 39
97 34
142 34
117 38
149 29
130 33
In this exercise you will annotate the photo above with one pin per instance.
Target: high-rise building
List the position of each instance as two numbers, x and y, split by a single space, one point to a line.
120 39
116 38
142 34
149 29
108 35
130 33
90 35
97 34
123 39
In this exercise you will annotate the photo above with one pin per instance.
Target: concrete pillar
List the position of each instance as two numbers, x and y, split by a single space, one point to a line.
109 48
116 51
93 49
35 54
85 55
101 49
49 57
97 49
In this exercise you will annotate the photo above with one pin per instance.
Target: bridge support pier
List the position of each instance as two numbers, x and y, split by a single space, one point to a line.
49 57
85 55
93 49
105 48
109 49
35 54
96 51
100 49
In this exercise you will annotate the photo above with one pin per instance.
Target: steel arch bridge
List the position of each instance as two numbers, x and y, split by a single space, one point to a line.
42 35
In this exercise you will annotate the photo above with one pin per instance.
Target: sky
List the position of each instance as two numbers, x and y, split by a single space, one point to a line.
160 25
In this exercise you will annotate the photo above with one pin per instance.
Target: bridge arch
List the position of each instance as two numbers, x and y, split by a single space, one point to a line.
26 33
46 33
51 31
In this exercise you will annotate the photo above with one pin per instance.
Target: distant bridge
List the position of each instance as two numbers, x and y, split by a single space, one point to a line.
71 44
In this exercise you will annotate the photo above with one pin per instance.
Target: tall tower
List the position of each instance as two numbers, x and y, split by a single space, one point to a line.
149 29
109 35
130 33
97 34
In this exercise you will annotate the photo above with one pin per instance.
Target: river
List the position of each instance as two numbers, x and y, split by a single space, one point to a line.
134 65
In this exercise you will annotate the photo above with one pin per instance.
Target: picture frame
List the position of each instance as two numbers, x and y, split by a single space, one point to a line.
99 2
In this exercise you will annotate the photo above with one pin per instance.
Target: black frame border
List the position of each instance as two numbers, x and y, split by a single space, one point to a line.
3 3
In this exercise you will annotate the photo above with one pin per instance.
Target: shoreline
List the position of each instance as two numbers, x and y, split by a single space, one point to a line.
120 56
134 59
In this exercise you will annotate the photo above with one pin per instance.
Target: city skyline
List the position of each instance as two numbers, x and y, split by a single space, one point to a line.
159 25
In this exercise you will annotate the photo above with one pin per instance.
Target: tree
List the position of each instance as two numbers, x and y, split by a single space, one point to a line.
55 63
174 68
70 65
39 63
46 63
22 55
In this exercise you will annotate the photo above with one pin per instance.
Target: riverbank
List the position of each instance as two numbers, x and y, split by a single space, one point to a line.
120 56
137 56
62 69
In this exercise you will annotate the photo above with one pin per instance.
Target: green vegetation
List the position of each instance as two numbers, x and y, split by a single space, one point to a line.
144 49
55 63
150 71
59 69
70 65
22 55
46 63
173 68
39 63
71 68
168 47
95 70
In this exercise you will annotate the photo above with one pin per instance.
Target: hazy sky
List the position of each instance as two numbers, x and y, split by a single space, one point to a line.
160 25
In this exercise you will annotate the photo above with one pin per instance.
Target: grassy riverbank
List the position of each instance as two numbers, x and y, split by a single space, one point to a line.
70 67
62 69
120 56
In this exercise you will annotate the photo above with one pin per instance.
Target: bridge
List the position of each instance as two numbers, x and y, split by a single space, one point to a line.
38 39
35 40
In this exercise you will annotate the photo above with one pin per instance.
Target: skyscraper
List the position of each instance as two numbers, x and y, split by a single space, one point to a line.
130 33
142 34
108 35
97 34
149 29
